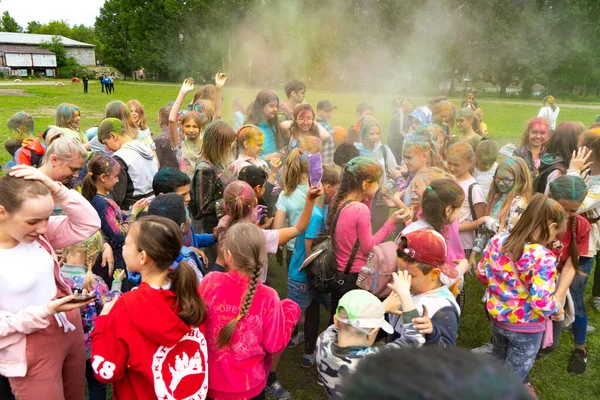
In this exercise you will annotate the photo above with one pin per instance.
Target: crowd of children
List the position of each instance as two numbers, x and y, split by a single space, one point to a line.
148 255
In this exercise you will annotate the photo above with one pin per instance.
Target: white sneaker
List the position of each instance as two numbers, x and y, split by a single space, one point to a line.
296 340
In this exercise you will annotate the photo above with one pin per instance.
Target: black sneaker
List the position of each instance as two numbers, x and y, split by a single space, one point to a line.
578 362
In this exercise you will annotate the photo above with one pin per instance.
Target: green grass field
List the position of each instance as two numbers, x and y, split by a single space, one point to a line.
505 122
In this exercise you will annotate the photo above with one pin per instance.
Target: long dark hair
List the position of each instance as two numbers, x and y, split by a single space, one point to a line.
255 113
440 194
358 170
563 142
99 164
162 242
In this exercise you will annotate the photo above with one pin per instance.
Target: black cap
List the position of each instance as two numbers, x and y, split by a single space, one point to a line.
325 105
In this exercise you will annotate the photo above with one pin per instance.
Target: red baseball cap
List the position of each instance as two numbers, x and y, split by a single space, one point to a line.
425 246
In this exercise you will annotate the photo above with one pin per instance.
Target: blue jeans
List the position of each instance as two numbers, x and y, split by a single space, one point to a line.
302 294
577 289
517 350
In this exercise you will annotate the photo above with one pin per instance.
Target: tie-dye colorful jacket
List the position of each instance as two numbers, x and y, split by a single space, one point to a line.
518 303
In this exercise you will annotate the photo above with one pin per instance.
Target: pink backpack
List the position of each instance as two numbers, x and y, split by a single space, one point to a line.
375 276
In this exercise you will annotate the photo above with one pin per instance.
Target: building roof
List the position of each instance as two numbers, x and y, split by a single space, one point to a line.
36 39
13 49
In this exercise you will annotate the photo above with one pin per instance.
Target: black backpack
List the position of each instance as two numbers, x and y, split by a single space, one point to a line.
320 265
540 183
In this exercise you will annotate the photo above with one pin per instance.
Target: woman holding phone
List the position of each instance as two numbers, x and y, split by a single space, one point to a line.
41 337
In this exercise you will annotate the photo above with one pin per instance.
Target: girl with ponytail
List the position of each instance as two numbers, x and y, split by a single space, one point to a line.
353 237
77 274
151 338
246 322
295 188
240 205
102 176
549 111
440 201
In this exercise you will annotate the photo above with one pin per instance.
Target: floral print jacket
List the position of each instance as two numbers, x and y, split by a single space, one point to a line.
519 295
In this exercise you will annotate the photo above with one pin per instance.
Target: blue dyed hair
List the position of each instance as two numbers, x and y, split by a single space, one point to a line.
168 180
170 206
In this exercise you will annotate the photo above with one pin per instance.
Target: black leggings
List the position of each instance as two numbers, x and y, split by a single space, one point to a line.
5 392
339 290
596 287
312 319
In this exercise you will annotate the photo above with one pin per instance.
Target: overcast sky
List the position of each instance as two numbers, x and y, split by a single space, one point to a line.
44 11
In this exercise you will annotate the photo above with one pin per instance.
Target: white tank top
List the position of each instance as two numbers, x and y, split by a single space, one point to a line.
26 277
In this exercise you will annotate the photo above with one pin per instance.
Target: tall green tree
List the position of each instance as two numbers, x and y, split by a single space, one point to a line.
33 27
9 24
112 28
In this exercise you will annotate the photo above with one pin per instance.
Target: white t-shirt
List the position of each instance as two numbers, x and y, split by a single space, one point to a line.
552 116
272 238
467 238
293 205
26 277
485 178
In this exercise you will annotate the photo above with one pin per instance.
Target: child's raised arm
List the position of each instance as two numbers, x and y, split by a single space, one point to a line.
323 133
285 126
186 87
220 80
287 234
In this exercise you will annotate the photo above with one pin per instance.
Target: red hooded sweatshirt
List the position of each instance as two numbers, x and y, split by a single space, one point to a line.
30 153
147 351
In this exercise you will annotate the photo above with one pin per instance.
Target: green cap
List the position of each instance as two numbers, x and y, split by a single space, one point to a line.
365 311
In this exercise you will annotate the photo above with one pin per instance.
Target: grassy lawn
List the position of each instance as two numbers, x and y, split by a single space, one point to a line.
505 122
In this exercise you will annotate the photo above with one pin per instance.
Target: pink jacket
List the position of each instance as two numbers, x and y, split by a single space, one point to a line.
79 223
240 369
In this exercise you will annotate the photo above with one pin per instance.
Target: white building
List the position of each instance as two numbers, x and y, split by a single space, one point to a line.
27 60
82 52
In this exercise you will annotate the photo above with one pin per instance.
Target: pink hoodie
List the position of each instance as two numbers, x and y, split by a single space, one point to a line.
240 369
79 223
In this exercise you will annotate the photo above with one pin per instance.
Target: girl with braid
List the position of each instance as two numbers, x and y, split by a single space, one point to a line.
241 205
246 322
353 239
77 274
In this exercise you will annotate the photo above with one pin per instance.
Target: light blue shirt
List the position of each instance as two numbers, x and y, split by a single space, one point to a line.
316 226
269 145
293 205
